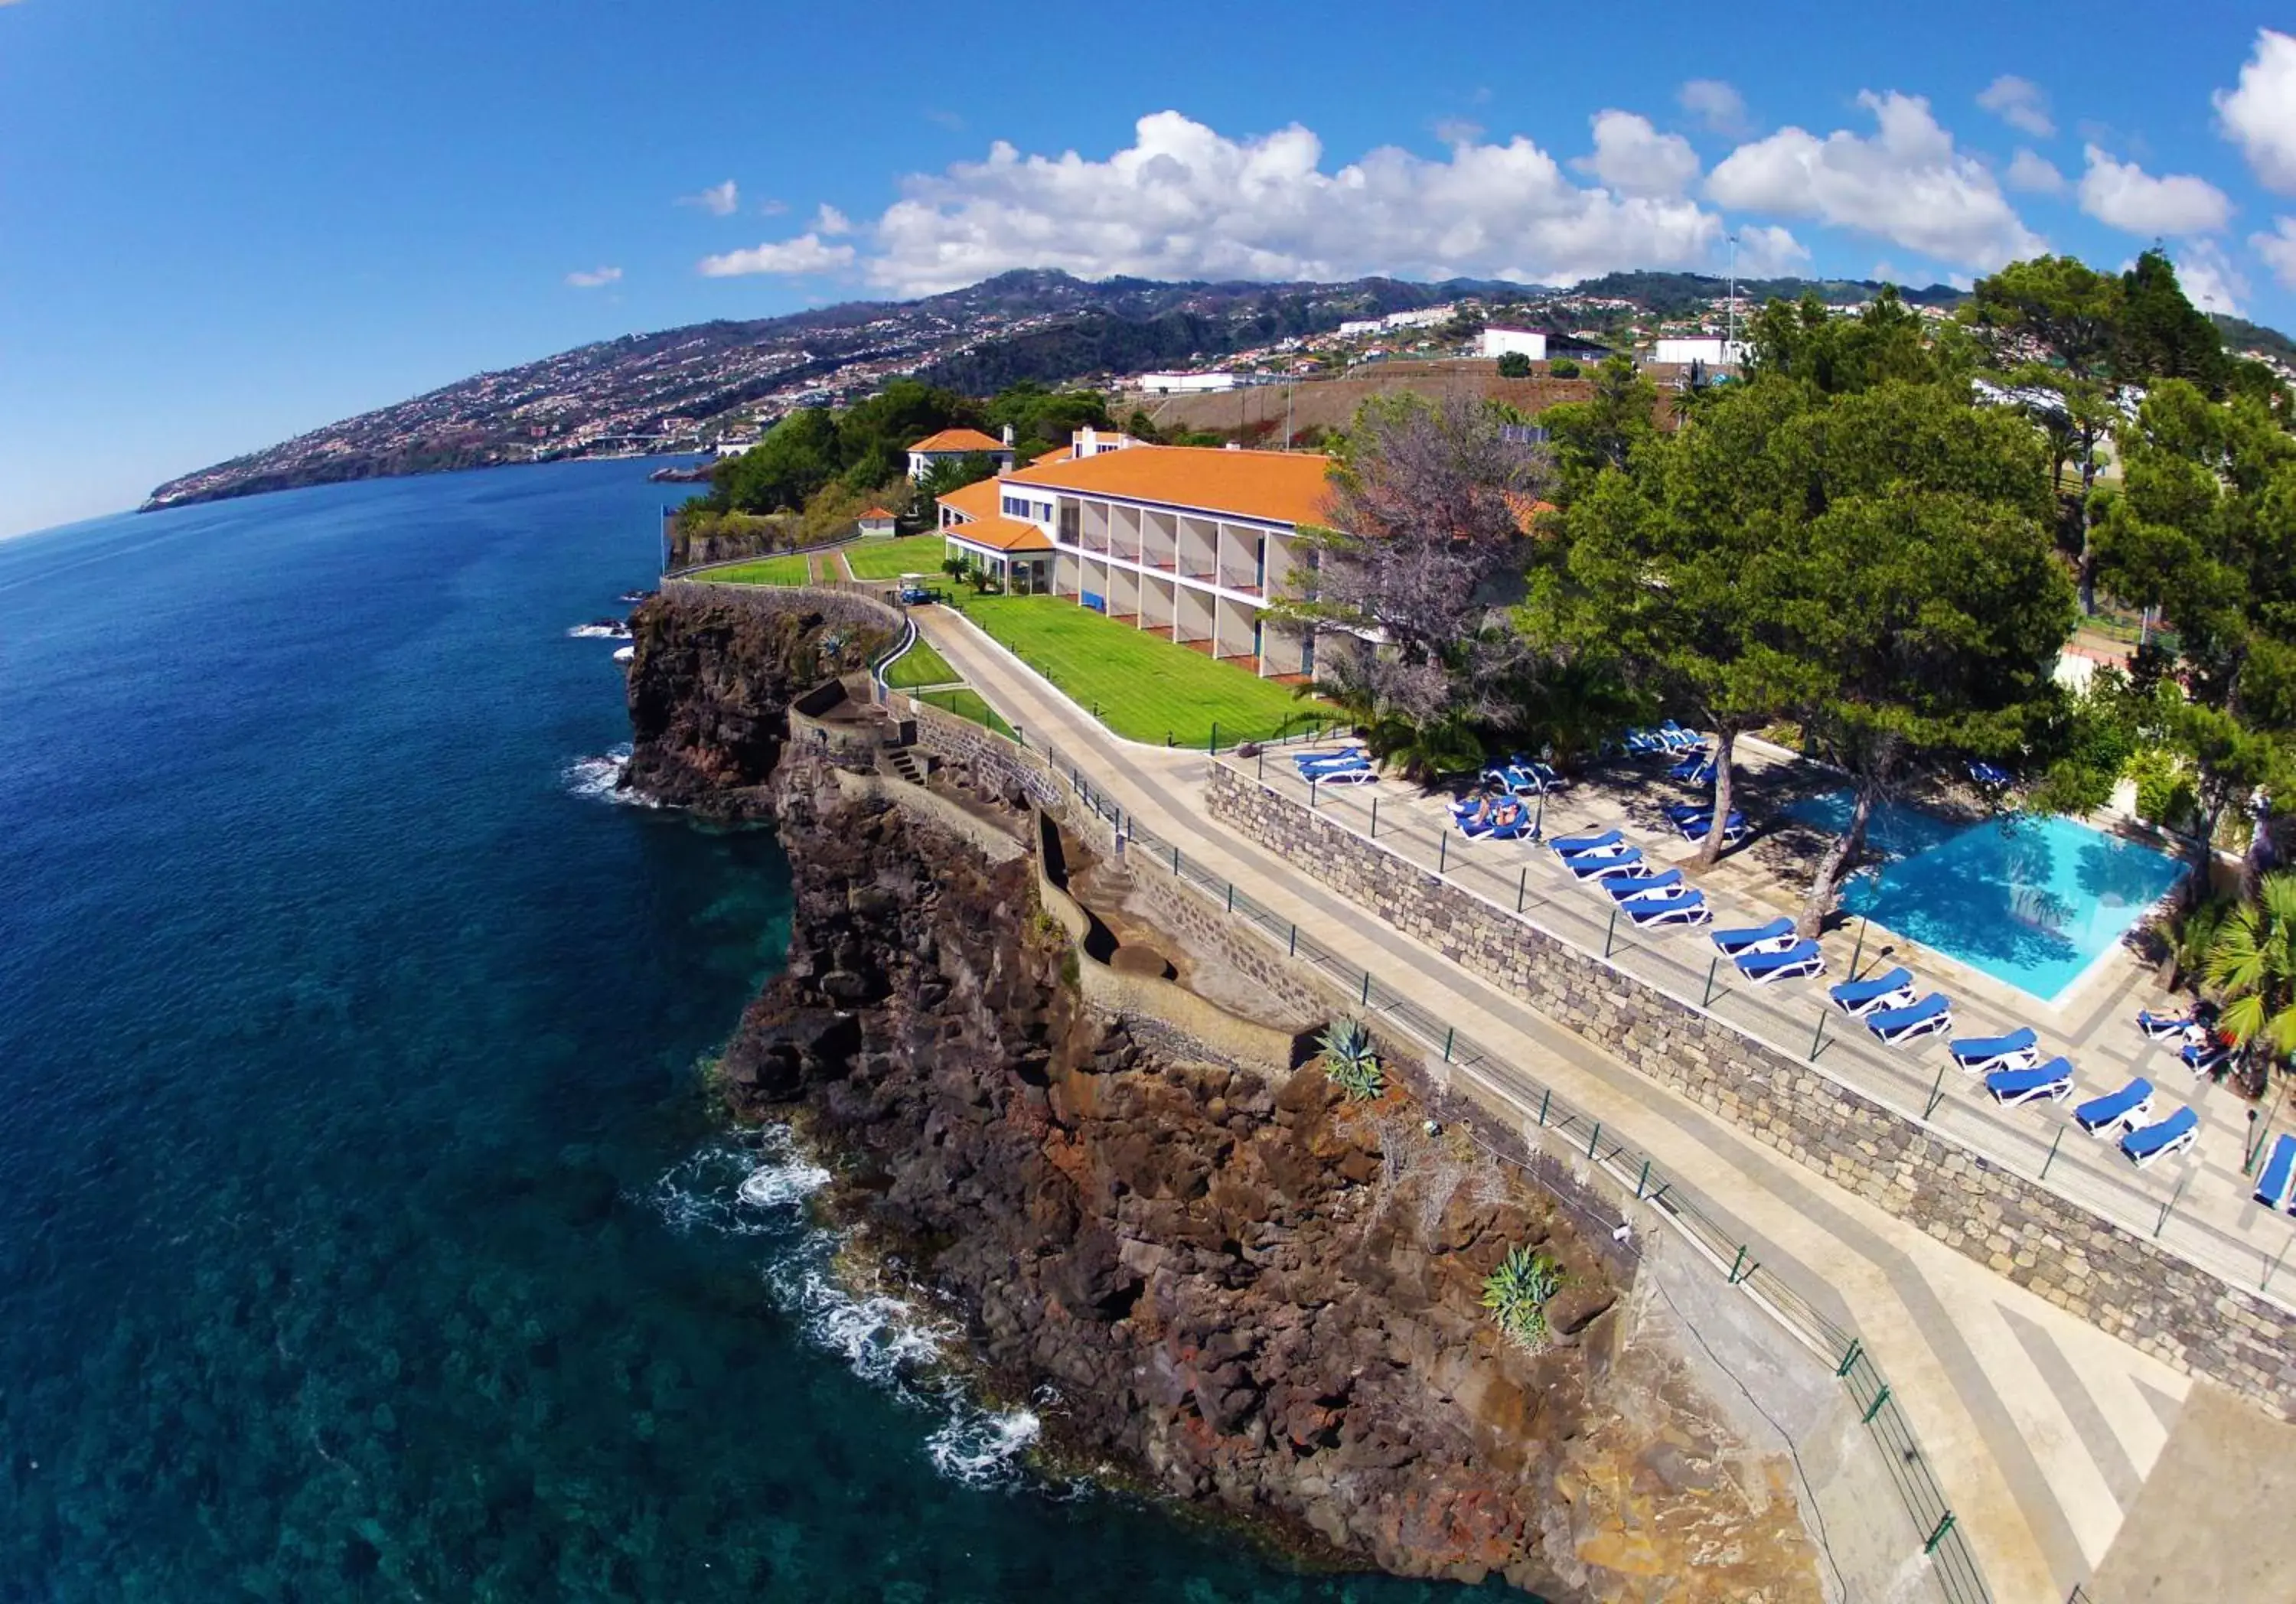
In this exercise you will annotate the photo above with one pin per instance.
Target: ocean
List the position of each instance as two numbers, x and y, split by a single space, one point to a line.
364 1233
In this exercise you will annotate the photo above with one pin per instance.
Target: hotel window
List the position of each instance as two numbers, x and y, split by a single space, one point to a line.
1072 522
1015 507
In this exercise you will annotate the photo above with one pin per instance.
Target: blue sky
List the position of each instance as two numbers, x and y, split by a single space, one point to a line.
221 224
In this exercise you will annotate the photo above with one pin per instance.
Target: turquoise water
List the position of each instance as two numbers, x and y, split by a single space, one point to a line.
2029 899
363 1235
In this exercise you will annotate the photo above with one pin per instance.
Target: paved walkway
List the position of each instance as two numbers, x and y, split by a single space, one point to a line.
2041 1429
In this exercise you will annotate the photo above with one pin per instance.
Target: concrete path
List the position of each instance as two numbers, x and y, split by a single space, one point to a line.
2042 1430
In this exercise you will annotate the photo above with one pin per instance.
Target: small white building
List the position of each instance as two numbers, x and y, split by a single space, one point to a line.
951 442
1361 326
1187 384
877 524
1514 342
1708 349
1425 317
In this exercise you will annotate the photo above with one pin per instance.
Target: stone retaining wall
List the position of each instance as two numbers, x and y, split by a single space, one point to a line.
2118 1282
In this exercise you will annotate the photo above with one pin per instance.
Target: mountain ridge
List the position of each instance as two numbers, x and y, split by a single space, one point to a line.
675 387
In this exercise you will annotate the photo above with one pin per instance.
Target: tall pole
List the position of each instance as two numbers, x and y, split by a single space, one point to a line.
1731 339
1289 390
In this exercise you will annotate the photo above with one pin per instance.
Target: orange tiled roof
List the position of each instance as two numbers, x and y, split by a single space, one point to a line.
960 441
1058 455
1526 511
978 499
876 512
1002 535
1280 486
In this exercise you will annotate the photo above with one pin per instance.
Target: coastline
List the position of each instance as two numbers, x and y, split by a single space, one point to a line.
1256 1300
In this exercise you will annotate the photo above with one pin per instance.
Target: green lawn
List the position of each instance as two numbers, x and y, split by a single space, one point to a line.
920 664
790 569
1141 686
967 704
890 559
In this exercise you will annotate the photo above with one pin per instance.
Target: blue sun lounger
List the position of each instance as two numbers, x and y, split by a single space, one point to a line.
1874 994
2173 1134
1990 777
1572 846
1797 961
2275 1184
2052 1081
1549 779
1898 1026
1352 773
1983 1055
1344 755
1679 739
2161 1027
1775 936
1694 827
1596 865
1696 769
2204 1056
1682 908
2115 1111
1625 886
1509 820
1642 743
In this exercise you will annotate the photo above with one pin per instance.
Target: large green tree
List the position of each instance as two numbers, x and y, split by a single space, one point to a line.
2053 327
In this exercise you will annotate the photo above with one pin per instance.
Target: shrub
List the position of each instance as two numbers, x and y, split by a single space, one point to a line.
1563 367
1514 365
2164 788
1351 1061
1516 1295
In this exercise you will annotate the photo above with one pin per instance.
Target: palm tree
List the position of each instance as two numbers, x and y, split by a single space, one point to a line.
2253 963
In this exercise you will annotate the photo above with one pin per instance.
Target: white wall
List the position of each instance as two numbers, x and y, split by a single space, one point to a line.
1181 384
1502 342
1711 351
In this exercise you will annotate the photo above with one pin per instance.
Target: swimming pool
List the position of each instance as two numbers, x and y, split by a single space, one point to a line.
2031 900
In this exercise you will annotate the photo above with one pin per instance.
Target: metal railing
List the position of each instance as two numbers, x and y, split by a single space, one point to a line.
1556 1129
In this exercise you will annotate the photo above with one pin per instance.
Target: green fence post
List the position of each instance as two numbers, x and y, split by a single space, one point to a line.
2052 1159
1737 1264
1874 1408
2169 1207
1521 888
1936 1093
1610 932
1859 949
1938 1536
1375 818
1819 1036
1168 738
1545 1097
1312 799
1212 745
1593 1138
1231 896
1643 1180
1295 942
1442 855
1448 1036
1856 1347
1710 967
1367 989
1176 861
1263 760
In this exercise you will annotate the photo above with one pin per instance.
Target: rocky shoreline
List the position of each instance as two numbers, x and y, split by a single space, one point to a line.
1231 1284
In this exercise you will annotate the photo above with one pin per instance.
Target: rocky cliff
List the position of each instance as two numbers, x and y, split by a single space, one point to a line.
1223 1278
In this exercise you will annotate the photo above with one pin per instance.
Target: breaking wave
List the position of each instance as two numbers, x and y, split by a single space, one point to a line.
751 1186
600 630
599 779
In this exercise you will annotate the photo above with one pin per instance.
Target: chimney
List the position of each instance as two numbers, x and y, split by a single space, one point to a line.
1008 436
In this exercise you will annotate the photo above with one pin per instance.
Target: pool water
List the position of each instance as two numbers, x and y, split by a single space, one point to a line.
2032 900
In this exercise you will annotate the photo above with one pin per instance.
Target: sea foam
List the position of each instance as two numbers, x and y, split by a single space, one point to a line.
599 779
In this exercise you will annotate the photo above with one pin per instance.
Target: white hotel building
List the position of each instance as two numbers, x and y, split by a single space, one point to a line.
1190 541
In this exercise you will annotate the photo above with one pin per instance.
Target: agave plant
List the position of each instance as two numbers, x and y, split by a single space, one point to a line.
1351 1061
1516 1295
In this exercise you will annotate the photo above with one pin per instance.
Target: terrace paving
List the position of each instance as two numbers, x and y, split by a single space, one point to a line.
2044 1432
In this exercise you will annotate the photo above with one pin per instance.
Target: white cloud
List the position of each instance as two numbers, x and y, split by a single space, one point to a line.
2128 197
1635 158
2209 279
1457 130
1906 183
2278 249
594 278
804 254
1717 106
828 220
2019 102
1765 251
2260 117
2036 174
1185 200
719 200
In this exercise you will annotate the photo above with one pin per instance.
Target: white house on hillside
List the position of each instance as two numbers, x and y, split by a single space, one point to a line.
951 442
1708 349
